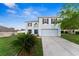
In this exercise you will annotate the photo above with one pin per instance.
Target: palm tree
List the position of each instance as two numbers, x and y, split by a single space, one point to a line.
26 42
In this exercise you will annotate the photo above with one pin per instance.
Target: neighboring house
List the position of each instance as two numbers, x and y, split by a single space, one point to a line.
5 32
44 26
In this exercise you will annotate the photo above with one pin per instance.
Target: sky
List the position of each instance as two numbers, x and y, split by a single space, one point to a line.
15 14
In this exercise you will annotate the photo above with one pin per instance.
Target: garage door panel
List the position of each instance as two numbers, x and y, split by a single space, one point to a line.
49 32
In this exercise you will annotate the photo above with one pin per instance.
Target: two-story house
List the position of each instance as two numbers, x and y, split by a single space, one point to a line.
44 26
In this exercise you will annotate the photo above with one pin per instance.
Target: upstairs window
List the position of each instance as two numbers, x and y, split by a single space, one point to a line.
45 21
29 24
53 21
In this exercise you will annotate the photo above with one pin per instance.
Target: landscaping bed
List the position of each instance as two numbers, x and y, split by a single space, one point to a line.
38 50
71 37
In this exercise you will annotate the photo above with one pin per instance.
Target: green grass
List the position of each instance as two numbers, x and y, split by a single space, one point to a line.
6 46
71 37
8 49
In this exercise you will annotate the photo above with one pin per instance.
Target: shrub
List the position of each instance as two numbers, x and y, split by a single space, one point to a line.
66 32
77 32
62 31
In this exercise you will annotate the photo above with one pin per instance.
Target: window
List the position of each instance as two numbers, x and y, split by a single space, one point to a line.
36 24
54 20
29 31
45 21
29 24
35 31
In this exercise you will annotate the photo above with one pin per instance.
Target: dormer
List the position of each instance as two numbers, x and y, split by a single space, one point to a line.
36 24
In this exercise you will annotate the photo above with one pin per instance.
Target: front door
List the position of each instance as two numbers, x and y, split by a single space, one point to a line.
30 31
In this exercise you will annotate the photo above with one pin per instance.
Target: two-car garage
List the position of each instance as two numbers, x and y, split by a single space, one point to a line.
49 32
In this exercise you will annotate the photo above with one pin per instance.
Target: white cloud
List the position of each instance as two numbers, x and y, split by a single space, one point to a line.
30 13
12 8
27 11
11 11
10 5
36 13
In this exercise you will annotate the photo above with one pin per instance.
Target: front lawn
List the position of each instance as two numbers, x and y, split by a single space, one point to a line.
8 49
6 46
71 37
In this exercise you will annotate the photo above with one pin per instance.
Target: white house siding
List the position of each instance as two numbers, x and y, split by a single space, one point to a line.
45 29
31 27
49 29
47 26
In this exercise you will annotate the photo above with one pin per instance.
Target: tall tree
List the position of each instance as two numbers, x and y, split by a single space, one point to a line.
68 10
70 15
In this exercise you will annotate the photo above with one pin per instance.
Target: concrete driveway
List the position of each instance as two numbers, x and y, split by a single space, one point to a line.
56 46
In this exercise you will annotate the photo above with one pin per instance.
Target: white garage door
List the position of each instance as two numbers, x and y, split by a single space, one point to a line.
53 32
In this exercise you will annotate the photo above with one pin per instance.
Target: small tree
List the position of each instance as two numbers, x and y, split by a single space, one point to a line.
30 42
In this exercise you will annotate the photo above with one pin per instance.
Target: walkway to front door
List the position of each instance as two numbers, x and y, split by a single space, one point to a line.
56 46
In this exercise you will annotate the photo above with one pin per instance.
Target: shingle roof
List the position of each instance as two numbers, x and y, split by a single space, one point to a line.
5 29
